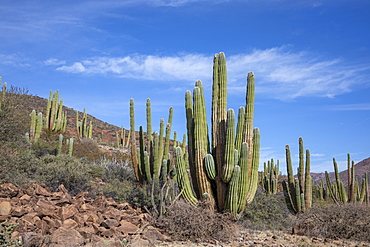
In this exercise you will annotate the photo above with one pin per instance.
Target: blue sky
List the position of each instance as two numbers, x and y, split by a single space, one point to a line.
310 60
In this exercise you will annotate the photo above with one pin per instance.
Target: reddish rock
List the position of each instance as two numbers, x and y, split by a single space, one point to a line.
5 208
41 190
66 237
109 232
69 224
31 239
67 212
127 228
25 199
45 204
8 190
109 223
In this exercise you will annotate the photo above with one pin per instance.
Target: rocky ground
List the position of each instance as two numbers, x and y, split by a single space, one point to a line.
45 218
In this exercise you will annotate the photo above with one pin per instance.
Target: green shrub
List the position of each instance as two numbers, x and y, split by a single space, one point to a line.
18 166
267 212
6 230
72 172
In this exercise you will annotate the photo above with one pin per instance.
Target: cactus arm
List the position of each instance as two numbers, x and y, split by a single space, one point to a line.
210 167
229 164
183 178
135 162
308 181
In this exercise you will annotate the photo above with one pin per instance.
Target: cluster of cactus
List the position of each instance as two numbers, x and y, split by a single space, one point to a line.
337 191
224 172
35 128
298 191
84 129
55 118
270 177
151 160
69 143
122 139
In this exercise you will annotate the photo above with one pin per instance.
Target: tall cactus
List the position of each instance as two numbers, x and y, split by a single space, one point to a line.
3 92
298 192
215 165
55 118
36 126
337 191
270 177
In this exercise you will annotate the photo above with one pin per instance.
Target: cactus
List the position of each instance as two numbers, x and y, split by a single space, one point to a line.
298 192
84 130
70 146
60 144
151 160
231 155
36 127
270 177
337 191
3 92
55 118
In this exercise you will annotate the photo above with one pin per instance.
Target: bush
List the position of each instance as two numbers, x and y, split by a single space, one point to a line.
72 172
197 224
267 212
17 166
345 221
87 149
119 182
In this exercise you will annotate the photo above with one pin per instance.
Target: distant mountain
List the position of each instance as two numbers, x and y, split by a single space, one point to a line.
361 168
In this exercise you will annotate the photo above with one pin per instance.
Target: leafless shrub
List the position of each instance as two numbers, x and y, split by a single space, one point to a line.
197 224
346 221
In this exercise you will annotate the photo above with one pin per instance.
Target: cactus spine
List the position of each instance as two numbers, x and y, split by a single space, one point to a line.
298 192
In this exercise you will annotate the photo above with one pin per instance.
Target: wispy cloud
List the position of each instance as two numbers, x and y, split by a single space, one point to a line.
350 107
280 73
184 67
54 61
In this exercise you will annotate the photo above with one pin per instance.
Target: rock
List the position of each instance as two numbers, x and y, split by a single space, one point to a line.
142 243
152 233
5 208
25 199
69 224
67 212
31 239
66 237
127 227
109 223
8 190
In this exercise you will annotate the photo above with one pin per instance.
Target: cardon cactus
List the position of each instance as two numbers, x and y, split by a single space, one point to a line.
298 192
151 160
224 168
337 191
55 118
270 177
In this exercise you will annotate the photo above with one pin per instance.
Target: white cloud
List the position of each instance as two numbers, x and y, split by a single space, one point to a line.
75 68
188 67
280 73
54 61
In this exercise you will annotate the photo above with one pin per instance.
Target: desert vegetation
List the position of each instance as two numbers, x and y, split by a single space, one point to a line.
205 188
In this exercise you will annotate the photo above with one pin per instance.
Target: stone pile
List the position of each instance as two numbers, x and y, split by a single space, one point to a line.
46 218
